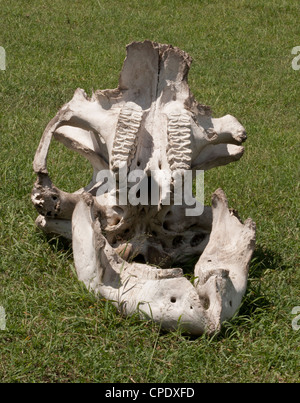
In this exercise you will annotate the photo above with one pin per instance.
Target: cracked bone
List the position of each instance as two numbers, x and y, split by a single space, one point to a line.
151 122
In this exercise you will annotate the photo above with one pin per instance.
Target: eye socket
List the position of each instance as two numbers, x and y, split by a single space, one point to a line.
60 164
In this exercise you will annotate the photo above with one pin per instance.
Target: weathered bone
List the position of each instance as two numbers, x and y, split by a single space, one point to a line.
225 260
151 122
164 294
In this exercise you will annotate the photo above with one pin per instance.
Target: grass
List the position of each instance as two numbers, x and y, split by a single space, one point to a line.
55 330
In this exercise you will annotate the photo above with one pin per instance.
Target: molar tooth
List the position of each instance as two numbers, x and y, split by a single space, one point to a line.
124 144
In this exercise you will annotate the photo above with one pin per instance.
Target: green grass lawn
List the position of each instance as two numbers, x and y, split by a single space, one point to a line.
56 331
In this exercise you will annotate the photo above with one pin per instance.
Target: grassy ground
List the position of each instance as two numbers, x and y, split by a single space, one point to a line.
55 330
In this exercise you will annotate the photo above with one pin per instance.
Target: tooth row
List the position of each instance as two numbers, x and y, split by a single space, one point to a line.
124 145
179 141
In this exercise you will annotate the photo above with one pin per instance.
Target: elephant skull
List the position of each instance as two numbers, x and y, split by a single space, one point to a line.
130 228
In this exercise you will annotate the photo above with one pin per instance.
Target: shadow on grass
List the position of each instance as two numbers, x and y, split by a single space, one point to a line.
255 302
58 243
265 259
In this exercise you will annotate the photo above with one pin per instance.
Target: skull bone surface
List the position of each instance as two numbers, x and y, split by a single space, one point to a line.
135 223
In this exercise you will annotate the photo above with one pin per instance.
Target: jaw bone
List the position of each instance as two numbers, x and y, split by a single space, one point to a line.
165 295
